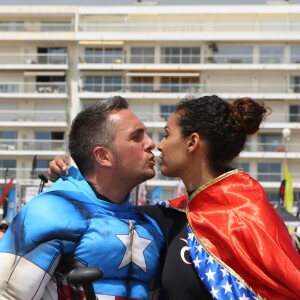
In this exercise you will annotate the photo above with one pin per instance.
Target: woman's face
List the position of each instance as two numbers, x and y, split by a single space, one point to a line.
173 148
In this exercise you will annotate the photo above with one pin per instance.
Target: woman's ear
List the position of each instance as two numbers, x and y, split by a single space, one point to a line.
193 142
103 156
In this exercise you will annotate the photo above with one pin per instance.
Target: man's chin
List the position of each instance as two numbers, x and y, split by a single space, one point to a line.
150 174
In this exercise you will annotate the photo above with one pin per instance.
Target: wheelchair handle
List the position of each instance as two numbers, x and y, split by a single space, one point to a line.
85 277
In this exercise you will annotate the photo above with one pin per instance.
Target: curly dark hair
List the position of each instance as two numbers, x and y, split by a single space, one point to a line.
223 126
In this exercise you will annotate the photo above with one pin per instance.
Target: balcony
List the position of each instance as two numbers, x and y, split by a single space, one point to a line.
15 147
189 61
20 26
22 173
225 90
33 89
272 147
15 117
158 27
140 88
33 61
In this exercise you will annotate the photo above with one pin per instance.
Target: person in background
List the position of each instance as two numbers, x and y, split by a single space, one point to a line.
86 219
4 207
223 239
3 228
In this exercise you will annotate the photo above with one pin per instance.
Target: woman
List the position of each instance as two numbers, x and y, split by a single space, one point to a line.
224 240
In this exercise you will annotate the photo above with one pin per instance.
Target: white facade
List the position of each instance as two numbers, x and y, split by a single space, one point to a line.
55 60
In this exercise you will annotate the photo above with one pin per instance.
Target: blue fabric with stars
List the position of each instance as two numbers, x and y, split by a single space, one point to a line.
220 283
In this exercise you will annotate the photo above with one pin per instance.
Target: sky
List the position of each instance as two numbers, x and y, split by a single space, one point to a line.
130 2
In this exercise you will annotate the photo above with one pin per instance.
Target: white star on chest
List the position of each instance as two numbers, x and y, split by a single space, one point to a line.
134 248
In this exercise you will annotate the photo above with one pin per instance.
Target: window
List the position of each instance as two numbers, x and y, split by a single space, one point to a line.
8 140
51 84
142 55
113 55
52 55
8 168
112 83
49 140
273 197
165 111
295 54
271 55
103 55
242 165
93 55
230 55
48 135
11 135
180 84
142 84
102 83
11 26
269 172
270 142
295 84
294 115
92 83
56 26
180 55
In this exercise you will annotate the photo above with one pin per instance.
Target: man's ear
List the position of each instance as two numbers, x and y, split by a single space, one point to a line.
193 142
103 156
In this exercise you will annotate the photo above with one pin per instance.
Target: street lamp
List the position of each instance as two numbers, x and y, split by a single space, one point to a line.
286 133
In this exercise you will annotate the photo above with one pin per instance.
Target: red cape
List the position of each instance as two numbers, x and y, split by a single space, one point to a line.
235 221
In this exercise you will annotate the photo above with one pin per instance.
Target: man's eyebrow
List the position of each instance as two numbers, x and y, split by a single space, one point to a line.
138 131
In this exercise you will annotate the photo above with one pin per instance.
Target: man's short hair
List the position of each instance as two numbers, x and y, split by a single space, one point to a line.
92 127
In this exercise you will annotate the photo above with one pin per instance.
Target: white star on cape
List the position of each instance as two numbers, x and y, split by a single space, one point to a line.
197 262
214 293
227 287
210 275
135 247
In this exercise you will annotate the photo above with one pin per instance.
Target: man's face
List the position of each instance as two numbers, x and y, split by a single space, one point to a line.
133 147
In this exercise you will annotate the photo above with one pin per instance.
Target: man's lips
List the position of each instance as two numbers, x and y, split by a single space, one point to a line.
152 161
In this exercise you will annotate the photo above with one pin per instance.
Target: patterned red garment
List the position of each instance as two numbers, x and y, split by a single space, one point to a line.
233 218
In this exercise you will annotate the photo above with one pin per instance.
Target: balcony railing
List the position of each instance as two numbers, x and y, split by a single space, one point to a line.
33 116
126 27
32 145
272 147
22 173
256 26
190 88
33 58
33 87
189 59
140 88
38 27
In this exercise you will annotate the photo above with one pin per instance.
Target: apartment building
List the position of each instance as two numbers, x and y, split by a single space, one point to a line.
57 59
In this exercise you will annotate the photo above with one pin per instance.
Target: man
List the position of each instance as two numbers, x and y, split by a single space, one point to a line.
86 219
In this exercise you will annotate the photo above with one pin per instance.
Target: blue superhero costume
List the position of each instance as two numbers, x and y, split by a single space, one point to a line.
67 226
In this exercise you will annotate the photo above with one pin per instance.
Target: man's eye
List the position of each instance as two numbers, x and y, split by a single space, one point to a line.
136 138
